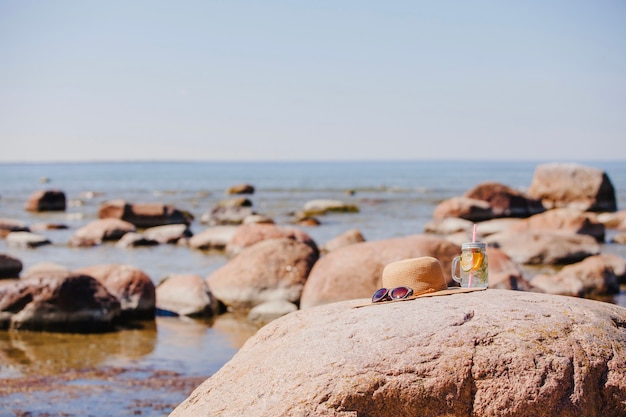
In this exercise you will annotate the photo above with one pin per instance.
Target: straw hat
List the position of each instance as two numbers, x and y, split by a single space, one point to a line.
423 275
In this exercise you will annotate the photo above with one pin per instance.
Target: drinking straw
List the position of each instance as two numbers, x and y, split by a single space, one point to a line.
469 282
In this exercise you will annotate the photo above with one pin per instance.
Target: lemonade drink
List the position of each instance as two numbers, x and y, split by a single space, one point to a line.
473 265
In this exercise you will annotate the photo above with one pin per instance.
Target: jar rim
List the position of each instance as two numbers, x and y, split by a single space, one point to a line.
474 245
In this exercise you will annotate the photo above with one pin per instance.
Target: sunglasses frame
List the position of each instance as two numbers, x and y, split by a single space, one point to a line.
389 296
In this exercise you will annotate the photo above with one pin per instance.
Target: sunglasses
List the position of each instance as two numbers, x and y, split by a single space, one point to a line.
389 294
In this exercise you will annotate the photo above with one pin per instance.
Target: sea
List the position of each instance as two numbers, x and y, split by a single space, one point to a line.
395 198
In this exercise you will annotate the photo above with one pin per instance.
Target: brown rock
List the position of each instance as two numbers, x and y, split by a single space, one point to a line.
98 231
74 303
596 275
344 239
185 295
170 233
273 269
143 215
483 354
323 206
132 287
213 238
572 185
49 200
10 225
504 273
45 270
355 271
466 208
533 248
563 220
248 234
226 216
241 189
10 267
505 201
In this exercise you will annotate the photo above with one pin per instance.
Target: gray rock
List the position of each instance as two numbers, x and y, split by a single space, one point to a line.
26 240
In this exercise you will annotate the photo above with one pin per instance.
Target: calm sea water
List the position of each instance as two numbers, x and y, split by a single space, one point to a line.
395 199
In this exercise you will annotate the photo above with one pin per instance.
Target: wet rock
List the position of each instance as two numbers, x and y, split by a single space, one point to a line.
324 206
98 231
170 233
213 238
226 216
572 185
26 240
355 271
563 220
11 225
133 239
258 218
505 201
533 248
48 200
250 234
10 267
74 303
487 353
143 215
132 287
185 295
596 275
347 238
241 189
270 270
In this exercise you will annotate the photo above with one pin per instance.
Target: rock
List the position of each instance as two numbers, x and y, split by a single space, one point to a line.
465 208
98 231
170 233
615 220
448 226
41 227
234 202
505 201
344 239
49 200
619 238
596 275
572 185
74 303
562 220
226 216
270 311
213 238
250 234
355 271
10 267
133 239
132 287
257 218
271 270
532 248
26 240
504 273
486 353
185 295
323 206
241 189
490 227
143 215
10 225
45 270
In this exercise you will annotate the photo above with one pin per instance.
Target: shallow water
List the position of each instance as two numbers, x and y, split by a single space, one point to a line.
149 369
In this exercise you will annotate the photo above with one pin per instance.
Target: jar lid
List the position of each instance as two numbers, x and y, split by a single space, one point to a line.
474 245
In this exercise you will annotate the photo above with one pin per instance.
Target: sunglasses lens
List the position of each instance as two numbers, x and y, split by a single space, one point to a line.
379 295
400 292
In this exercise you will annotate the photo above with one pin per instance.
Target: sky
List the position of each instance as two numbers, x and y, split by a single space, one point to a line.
312 80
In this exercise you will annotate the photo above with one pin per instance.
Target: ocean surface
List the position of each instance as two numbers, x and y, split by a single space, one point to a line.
395 199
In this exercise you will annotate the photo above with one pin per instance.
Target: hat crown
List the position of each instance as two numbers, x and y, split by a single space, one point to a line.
421 274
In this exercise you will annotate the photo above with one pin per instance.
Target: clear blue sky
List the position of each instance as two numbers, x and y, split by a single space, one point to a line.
312 80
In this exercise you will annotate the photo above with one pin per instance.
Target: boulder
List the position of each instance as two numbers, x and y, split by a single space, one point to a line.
482 354
466 208
324 206
270 311
47 200
347 238
533 248
226 215
448 226
562 220
595 276
185 295
248 234
73 303
132 287
98 231
10 225
133 239
505 201
213 238
504 273
355 271
10 267
170 233
143 215
26 240
615 220
241 189
44 270
572 185
271 270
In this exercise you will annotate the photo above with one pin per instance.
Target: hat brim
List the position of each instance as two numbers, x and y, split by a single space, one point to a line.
448 291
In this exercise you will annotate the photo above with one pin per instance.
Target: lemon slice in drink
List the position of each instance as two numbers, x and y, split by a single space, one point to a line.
471 260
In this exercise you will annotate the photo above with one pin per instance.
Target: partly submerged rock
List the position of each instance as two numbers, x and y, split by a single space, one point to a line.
488 353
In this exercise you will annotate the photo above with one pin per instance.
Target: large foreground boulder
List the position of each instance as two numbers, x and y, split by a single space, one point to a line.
487 353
